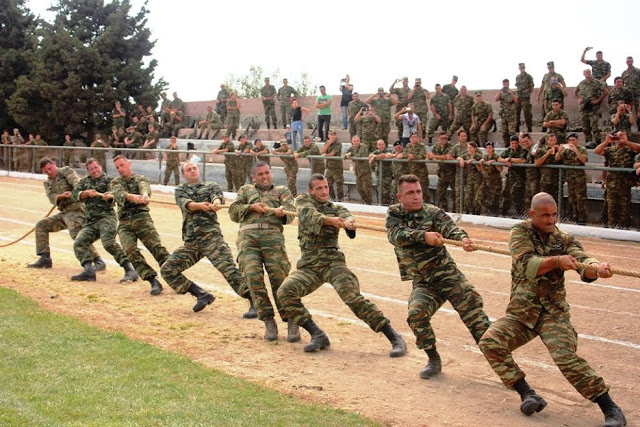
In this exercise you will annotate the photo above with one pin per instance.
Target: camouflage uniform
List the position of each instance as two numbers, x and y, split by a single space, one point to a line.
399 169
538 307
322 261
352 110
172 165
576 184
233 118
221 106
229 163
242 165
99 221
589 113
472 185
619 185
261 242
261 157
441 104
507 115
290 168
284 96
403 101
446 176
491 190
458 150
548 176
269 105
71 214
451 91
334 172
599 69
616 95
362 171
420 170
631 80
481 111
134 222
551 93
421 104
212 123
559 132
462 118
100 155
202 238
384 186
524 86
369 131
69 156
532 177
514 185
435 276
624 123
382 107
317 165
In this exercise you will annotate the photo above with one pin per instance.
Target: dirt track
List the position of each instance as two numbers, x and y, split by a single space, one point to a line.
356 373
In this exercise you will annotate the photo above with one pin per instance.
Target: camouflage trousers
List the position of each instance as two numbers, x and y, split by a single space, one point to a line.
141 227
258 248
387 189
292 176
590 126
233 121
508 125
354 128
71 220
531 186
69 157
490 193
524 105
420 170
383 134
444 183
479 136
577 189
618 199
285 113
512 194
212 246
270 114
549 182
307 279
103 229
472 196
172 168
365 185
506 335
435 123
459 122
447 284
335 176
228 172
239 175
457 188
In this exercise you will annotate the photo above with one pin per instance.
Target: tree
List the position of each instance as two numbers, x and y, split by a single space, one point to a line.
249 85
90 56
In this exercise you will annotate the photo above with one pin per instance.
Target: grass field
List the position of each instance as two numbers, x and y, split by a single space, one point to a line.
57 370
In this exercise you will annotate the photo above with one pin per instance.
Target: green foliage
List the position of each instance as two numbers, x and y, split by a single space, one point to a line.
249 85
57 370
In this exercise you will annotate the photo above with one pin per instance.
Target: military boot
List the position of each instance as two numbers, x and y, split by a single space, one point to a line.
434 367
204 297
398 346
87 275
156 287
251 313
613 415
293 331
43 262
99 264
531 401
130 274
271 329
319 340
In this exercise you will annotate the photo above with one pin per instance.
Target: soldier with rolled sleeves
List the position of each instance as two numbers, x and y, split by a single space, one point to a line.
590 93
473 180
226 146
332 149
99 223
268 95
600 68
310 149
369 122
353 109
132 193
524 89
361 168
58 187
420 98
285 94
572 154
508 100
556 120
319 223
375 160
414 152
221 105
290 165
446 173
491 190
514 185
481 116
456 151
199 203
541 254
416 230
442 110
382 103
546 155
619 152
402 95
451 90
463 105
261 244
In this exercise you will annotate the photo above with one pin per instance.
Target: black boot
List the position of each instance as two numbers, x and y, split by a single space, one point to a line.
293 331
99 264
251 313
398 346
434 367
531 401
130 274
613 416
156 287
204 297
43 262
271 329
319 339
87 275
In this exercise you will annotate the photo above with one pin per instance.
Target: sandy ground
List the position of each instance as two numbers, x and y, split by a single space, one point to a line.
356 373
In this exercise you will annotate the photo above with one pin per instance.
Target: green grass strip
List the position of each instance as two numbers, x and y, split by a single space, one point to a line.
56 370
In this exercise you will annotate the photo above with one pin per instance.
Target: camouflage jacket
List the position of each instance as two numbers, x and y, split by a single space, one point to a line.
335 161
631 80
471 171
273 197
587 90
290 164
619 158
319 242
285 92
547 173
570 158
66 180
444 170
97 208
524 85
353 108
481 110
312 150
616 95
177 104
369 128
403 96
599 69
458 150
451 91
463 106
382 106
420 97
531 294
223 96
173 159
121 187
228 159
386 166
418 150
553 115
268 91
360 166
262 157
624 123
416 259
440 102
520 153
507 101
551 93
198 224
490 172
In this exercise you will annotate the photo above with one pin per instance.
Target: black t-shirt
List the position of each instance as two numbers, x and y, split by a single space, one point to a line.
296 114
347 96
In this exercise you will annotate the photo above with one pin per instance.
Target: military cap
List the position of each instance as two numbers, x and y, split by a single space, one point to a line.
332 131
514 138
489 143
267 78
242 136
550 64
455 78
397 143
572 135
380 89
405 78
225 134
255 141
521 65
283 141
478 93
418 80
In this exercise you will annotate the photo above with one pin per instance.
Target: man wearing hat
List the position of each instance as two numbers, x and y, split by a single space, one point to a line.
268 96
334 173
226 146
481 116
402 94
450 89
382 103
420 98
552 87
524 88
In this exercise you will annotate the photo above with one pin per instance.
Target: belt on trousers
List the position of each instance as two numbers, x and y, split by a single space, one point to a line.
129 214
259 226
